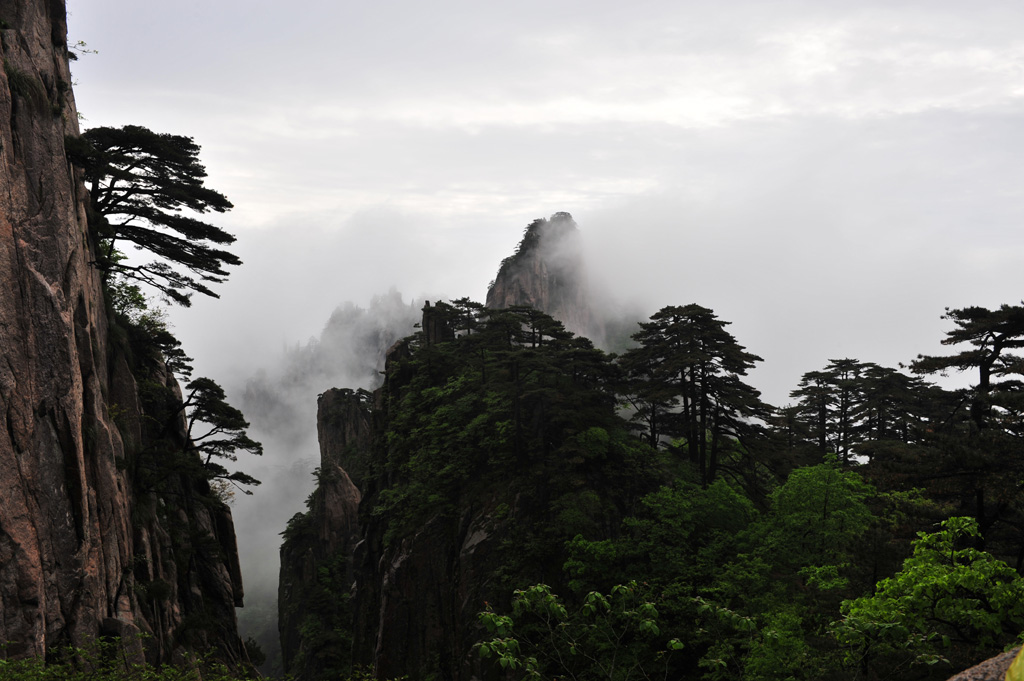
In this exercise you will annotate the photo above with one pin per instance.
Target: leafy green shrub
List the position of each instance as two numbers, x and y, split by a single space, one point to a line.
612 636
950 602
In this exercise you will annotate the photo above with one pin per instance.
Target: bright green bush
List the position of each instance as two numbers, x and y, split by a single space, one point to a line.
950 597
611 637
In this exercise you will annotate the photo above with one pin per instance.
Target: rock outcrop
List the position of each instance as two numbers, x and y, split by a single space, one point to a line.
402 604
319 544
82 554
993 669
344 428
280 403
547 273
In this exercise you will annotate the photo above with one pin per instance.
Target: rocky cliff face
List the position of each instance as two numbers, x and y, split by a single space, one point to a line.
546 272
994 669
319 545
82 553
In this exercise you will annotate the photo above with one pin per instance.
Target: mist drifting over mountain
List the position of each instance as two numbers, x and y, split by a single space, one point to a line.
280 402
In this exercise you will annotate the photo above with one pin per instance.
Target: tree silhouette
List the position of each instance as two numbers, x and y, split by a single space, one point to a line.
216 430
142 186
686 376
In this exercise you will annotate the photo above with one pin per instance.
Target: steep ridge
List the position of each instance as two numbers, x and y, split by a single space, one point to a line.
280 402
82 552
547 272
319 545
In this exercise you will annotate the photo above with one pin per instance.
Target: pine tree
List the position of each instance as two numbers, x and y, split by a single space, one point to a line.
830 402
686 376
216 431
992 335
140 183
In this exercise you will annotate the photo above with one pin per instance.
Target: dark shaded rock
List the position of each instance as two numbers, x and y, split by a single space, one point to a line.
436 328
343 428
314 617
417 602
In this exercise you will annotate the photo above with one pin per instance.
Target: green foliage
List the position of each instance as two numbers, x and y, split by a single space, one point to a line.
612 636
254 652
299 528
818 514
79 47
140 183
747 590
759 617
680 536
326 627
949 598
773 646
751 565
514 399
144 323
128 301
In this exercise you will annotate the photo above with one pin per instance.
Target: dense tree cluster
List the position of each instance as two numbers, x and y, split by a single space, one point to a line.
871 529
685 382
492 394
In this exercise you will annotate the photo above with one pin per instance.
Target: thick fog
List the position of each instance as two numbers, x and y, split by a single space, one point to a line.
280 402
827 176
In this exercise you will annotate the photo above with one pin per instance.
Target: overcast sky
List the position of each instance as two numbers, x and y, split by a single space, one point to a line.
826 175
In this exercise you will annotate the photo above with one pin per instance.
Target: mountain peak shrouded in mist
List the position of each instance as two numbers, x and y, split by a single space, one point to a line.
547 272
352 505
